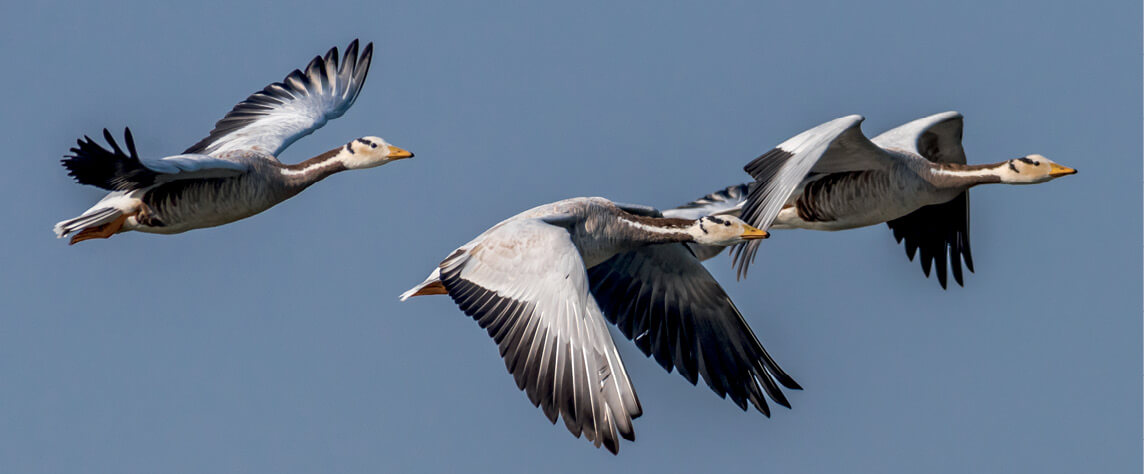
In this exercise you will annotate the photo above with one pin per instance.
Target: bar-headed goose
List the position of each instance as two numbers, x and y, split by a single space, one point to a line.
543 282
914 178
234 172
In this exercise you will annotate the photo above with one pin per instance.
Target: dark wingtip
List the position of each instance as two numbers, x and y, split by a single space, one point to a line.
615 450
127 137
783 401
367 53
788 382
763 408
315 63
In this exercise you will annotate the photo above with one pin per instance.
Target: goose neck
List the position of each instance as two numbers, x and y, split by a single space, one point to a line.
952 175
315 169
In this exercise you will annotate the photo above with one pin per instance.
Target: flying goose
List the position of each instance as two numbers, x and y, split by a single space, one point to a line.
543 282
234 172
914 178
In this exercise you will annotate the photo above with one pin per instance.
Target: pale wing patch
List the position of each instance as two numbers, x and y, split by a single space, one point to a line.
525 283
937 138
835 146
271 119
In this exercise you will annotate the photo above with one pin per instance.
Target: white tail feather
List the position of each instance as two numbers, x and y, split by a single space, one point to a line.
113 205
91 218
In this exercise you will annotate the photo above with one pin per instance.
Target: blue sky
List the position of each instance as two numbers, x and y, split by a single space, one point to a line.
277 344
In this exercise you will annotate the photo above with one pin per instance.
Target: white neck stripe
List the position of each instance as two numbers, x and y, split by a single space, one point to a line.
651 228
301 171
965 173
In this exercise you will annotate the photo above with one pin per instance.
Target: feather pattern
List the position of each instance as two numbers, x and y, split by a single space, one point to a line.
835 146
662 298
542 282
271 119
525 283
728 200
233 173
116 170
913 178
936 230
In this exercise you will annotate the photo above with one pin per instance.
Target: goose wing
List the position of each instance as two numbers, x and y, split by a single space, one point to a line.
663 299
525 283
119 170
271 119
934 231
937 230
937 138
833 147
729 200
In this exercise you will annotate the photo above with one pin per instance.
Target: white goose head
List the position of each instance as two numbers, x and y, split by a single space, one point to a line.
723 231
368 152
1032 169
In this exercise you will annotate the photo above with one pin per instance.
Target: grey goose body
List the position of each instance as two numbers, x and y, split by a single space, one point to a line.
542 283
914 178
234 172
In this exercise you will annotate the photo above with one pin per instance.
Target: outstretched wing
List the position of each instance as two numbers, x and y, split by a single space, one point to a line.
833 147
934 231
729 200
116 170
662 298
940 229
937 138
525 283
271 119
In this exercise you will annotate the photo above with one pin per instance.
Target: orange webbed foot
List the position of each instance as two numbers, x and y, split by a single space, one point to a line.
101 232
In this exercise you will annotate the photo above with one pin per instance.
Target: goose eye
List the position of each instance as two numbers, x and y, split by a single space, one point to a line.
373 145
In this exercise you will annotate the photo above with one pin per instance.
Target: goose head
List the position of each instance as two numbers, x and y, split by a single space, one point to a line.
723 231
368 152
1032 169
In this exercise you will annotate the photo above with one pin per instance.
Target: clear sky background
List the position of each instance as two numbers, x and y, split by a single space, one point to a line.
277 344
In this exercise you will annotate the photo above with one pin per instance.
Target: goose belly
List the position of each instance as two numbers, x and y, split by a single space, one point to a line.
849 200
194 204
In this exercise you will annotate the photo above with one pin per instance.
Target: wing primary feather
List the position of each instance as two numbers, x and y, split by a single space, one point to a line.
271 119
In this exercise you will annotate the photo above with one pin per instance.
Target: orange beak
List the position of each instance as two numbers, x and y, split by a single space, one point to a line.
754 234
1057 171
398 153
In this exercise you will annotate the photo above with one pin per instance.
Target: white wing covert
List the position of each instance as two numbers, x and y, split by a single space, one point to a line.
271 119
937 230
119 170
833 147
937 138
525 283
722 202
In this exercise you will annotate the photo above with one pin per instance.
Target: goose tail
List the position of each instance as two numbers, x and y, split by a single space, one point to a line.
90 219
431 286
104 219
